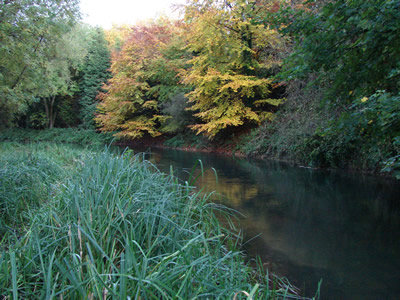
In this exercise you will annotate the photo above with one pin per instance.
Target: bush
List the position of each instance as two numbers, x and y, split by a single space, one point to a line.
366 135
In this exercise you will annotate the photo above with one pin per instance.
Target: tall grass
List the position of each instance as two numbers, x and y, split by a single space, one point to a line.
105 226
57 135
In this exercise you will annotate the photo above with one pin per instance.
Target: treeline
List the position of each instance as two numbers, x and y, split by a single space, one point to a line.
210 72
314 81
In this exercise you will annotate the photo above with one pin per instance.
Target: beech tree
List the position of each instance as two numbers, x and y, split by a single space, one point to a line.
234 60
130 104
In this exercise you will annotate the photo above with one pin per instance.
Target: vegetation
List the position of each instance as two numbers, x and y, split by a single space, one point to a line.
78 223
57 135
312 81
345 53
94 73
316 82
233 61
29 33
142 80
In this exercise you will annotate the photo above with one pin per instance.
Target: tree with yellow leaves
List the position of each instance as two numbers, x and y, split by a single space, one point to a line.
234 59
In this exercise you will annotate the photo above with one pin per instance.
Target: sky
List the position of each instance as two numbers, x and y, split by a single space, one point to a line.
107 12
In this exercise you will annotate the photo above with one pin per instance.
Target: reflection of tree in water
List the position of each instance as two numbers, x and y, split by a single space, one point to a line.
232 190
313 223
315 196
328 221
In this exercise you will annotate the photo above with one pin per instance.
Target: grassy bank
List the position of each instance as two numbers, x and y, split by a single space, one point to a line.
85 224
57 135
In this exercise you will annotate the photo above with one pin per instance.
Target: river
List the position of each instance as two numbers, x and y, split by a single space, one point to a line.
308 225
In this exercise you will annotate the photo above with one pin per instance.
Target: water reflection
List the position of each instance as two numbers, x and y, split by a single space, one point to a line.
341 227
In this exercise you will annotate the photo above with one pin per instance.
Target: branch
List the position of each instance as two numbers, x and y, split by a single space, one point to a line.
26 65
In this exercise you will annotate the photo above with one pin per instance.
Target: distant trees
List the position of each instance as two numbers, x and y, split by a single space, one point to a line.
212 71
51 67
56 75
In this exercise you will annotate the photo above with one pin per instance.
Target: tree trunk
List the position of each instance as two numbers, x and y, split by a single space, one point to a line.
50 113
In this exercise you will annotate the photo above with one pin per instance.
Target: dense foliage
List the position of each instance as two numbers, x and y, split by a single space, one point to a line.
352 46
217 53
29 33
234 59
143 78
314 81
93 75
351 49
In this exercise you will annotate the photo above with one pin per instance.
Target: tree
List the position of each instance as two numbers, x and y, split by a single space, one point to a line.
117 35
141 77
94 75
55 77
29 31
352 46
233 64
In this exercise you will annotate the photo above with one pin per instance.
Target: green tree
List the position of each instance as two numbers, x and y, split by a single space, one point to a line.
352 46
29 31
56 76
94 74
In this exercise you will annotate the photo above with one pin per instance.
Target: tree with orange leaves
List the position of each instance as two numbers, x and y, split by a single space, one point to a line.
131 103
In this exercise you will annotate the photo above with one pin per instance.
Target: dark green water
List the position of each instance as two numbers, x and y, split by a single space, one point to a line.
341 227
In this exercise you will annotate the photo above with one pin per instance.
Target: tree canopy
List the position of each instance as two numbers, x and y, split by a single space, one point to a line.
234 59
352 46
131 101
29 33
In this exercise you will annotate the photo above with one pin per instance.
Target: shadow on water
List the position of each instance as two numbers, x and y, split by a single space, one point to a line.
341 227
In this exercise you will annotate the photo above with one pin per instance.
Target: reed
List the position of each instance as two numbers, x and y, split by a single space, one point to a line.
100 225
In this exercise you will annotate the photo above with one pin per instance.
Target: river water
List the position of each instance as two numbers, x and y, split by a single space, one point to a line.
308 225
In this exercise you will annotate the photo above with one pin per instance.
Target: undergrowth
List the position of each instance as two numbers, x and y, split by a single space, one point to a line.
57 135
364 136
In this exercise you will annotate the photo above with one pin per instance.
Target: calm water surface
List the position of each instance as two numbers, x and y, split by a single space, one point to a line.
307 224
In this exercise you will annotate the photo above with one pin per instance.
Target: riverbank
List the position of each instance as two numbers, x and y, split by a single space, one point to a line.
233 150
189 143
81 223
56 135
